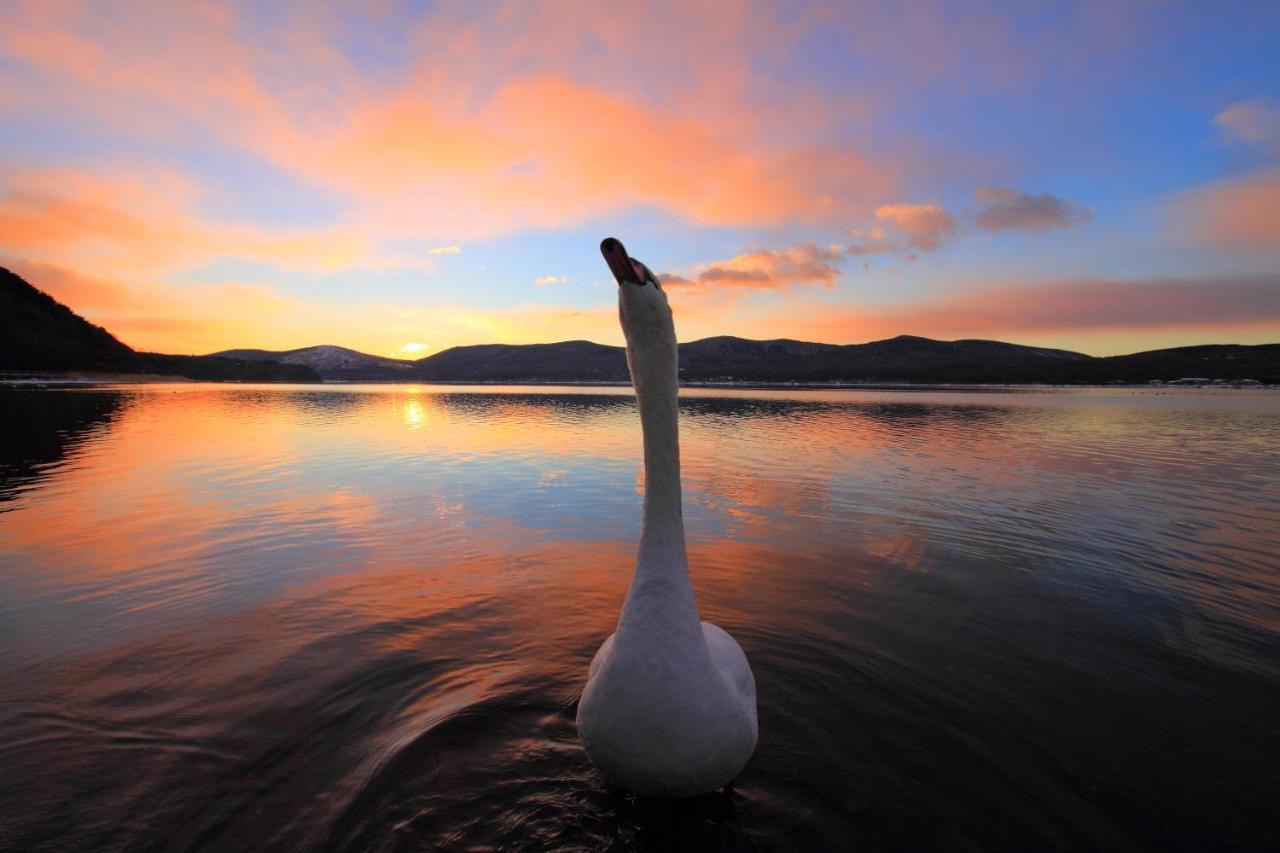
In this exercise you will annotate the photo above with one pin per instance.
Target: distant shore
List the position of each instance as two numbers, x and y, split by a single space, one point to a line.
89 379
86 378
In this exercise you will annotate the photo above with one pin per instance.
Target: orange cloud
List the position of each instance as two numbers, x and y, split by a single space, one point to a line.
129 223
118 220
926 226
768 269
547 151
1236 215
482 135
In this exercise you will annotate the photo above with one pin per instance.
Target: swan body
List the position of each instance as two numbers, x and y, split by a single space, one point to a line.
669 708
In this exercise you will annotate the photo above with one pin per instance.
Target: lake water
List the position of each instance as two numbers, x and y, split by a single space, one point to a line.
359 617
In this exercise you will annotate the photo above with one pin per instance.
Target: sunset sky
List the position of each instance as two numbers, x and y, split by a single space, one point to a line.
402 178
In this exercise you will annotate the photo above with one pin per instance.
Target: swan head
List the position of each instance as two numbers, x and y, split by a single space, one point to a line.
643 308
646 321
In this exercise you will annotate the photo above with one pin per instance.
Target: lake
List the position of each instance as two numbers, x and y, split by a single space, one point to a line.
359 617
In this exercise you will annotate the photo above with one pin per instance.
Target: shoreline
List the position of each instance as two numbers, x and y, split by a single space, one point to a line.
88 379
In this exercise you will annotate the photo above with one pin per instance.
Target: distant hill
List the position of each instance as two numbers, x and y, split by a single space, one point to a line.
570 361
1213 361
922 360
329 361
208 368
40 334
905 358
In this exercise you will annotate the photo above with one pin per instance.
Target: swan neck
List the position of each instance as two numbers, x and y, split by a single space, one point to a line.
662 539
660 606
661 596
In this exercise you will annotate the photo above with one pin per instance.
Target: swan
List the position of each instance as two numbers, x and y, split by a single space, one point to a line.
669 708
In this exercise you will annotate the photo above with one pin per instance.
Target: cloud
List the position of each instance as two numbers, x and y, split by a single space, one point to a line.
1008 209
550 279
582 153
544 132
114 217
1240 215
444 250
670 278
1256 122
767 269
912 229
925 226
131 222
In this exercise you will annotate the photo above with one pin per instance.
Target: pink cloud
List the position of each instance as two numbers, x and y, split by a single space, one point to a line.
910 229
1256 122
1240 215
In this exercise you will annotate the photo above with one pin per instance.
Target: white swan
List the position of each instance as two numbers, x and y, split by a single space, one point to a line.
669 709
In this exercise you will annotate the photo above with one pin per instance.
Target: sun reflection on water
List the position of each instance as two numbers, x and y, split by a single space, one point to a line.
415 413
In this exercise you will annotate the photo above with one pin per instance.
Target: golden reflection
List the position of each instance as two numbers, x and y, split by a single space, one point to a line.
415 413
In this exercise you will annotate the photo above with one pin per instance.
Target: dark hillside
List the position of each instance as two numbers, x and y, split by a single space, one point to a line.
40 334
37 332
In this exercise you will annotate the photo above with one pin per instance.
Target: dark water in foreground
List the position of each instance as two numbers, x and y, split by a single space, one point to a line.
359 618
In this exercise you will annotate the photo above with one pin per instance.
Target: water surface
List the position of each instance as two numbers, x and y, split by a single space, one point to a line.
359 617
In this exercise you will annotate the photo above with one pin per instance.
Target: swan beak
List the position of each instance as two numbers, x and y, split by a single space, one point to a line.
622 265
626 269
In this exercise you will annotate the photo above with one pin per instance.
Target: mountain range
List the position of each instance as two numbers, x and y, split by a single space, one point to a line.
728 359
38 333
